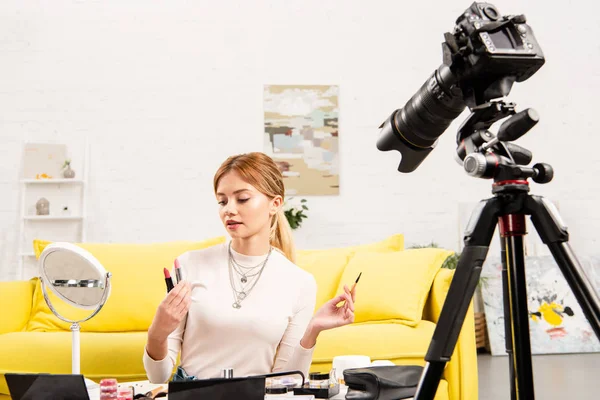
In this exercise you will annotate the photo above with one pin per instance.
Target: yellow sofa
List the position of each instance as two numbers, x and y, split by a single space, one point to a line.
399 299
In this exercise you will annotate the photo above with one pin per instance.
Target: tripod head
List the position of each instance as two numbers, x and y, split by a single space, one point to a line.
486 155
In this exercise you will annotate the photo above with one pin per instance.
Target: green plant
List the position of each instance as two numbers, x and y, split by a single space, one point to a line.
450 263
424 246
483 282
295 212
66 164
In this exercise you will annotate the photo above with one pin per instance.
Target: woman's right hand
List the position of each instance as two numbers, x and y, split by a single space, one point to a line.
171 311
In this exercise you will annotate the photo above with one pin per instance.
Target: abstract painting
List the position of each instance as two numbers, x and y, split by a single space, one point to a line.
301 135
556 321
43 160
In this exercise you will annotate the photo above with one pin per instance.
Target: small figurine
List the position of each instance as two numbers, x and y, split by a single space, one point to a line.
42 206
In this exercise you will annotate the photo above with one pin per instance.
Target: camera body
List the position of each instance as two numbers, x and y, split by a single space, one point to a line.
482 58
489 52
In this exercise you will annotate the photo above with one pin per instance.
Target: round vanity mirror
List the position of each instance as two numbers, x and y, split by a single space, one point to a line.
74 275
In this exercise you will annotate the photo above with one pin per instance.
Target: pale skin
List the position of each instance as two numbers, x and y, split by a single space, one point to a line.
246 214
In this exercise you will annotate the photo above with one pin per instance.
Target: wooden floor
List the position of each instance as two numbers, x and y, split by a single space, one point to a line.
560 377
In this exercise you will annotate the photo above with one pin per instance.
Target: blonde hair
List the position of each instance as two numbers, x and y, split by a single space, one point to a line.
260 171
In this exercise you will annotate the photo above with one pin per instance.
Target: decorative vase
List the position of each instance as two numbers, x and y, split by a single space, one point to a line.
42 206
69 173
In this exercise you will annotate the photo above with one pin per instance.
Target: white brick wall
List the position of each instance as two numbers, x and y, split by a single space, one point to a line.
164 91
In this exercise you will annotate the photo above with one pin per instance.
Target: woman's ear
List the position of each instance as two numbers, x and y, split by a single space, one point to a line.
276 204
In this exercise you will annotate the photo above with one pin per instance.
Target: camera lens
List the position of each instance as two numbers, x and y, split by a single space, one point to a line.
431 110
414 129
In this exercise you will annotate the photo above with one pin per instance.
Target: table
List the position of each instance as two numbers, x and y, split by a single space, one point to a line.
145 386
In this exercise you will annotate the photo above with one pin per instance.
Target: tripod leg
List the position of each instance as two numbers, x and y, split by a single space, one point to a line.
507 320
554 234
516 314
477 239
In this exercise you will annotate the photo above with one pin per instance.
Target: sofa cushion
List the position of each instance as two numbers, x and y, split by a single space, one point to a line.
393 285
391 243
327 265
18 294
103 355
383 340
138 286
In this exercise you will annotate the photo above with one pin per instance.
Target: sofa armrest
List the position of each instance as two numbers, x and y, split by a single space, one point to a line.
15 303
461 371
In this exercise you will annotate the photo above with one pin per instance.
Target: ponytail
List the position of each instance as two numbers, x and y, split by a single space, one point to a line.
281 235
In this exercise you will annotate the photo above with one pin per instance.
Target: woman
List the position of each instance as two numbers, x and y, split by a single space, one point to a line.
254 309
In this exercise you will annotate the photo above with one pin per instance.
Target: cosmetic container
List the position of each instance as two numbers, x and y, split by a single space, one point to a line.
109 389
318 380
228 373
125 393
275 391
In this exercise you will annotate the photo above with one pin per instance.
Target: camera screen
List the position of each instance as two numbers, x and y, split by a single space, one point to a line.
504 39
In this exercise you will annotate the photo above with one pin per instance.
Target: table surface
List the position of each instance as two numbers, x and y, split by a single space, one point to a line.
145 386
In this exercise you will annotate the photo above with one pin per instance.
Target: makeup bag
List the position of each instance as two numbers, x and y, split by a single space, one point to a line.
388 382
187 387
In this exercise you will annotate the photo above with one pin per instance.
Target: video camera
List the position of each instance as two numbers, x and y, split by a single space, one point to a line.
482 58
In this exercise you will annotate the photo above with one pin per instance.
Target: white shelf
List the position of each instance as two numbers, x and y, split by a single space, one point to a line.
51 217
73 191
53 181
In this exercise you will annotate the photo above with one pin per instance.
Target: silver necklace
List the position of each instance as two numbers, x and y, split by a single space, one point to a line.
244 274
239 295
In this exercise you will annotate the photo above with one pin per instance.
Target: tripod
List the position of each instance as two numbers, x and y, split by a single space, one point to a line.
489 156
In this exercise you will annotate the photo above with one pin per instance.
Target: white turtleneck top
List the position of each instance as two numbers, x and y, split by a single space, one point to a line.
262 336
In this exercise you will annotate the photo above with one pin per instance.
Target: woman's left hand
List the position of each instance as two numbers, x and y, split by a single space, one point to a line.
331 316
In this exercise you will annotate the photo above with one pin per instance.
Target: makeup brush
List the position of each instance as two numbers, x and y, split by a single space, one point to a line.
354 285
341 303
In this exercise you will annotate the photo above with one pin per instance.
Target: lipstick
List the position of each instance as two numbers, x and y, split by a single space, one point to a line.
178 272
168 280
